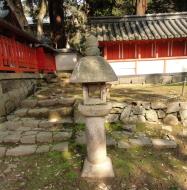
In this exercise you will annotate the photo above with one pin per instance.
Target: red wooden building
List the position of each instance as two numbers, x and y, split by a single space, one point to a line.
20 51
140 45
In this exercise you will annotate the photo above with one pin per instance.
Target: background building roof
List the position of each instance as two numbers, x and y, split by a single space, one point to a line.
148 27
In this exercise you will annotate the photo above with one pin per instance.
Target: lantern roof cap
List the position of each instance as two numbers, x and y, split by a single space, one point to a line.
93 69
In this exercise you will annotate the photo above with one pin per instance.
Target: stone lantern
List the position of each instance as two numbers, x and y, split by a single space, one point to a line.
93 72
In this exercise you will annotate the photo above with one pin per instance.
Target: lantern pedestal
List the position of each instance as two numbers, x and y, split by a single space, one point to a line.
97 164
101 170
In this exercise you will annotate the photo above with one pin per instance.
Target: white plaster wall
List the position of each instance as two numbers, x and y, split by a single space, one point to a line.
150 67
176 66
66 61
123 68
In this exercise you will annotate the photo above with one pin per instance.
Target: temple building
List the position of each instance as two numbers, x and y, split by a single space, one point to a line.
143 45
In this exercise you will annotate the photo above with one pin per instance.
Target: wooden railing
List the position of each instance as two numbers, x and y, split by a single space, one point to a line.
19 57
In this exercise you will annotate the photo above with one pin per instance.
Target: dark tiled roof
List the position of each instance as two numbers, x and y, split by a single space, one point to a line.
148 27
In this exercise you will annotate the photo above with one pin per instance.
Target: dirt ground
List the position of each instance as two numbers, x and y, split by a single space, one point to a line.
135 169
132 92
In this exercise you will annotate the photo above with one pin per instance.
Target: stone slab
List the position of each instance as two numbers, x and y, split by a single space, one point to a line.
163 143
21 112
12 138
29 139
61 136
2 151
44 137
143 141
173 107
123 144
43 149
61 147
21 150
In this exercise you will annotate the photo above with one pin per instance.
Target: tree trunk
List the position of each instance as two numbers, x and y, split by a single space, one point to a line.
57 22
17 8
40 17
141 7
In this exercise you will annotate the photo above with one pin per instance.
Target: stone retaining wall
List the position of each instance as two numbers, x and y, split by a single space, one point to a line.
174 113
12 92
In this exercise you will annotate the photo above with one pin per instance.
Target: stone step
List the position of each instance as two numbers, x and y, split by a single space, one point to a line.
50 113
25 150
32 103
26 124
33 137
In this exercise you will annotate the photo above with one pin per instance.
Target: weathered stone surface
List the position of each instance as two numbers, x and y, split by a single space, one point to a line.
184 123
66 101
3 134
21 150
161 114
3 127
163 143
138 110
116 111
158 105
2 151
43 149
64 111
167 128
112 118
141 119
121 105
29 103
44 137
95 110
141 141
183 133
30 133
110 141
130 128
23 129
12 138
173 107
47 103
121 134
125 114
183 105
80 138
61 147
61 136
78 117
38 112
13 125
21 112
30 123
171 120
123 144
183 115
47 124
2 119
151 116
133 119
29 139
146 105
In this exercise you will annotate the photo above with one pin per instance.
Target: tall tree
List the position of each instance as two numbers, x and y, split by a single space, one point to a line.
141 7
40 17
57 22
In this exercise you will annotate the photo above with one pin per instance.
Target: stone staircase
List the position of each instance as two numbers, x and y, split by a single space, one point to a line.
43 122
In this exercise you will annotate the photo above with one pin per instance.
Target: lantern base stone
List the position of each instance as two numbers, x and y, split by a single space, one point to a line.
100 170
